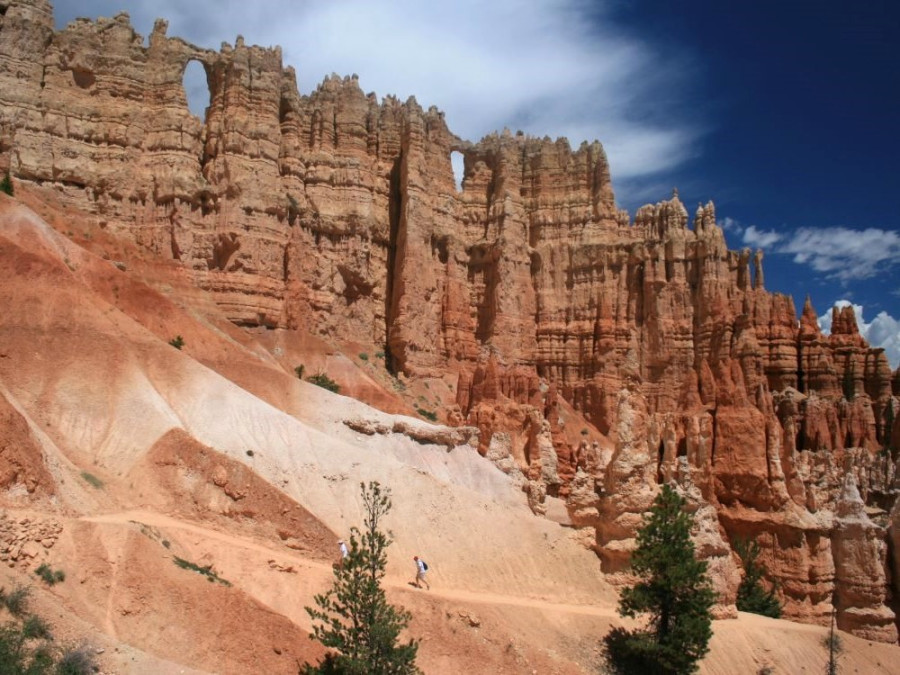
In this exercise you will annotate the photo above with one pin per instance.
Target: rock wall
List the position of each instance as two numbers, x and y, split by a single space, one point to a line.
337 213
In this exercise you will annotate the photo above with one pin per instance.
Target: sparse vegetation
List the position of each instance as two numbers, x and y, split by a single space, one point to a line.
887 429
363 356
379 355
16 600
92 479
674 589
833 643
427 414
752 595
300 370
50 576
322 380
77 661
6 185
177 342
250 453
205 570
353 617
27 648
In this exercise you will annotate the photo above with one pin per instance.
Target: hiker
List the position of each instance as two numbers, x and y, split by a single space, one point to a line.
421 568
344 553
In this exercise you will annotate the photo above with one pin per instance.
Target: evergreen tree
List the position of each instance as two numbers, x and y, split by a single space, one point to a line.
833 643
674 591
848 383
6 184
354 617
752 595
887 430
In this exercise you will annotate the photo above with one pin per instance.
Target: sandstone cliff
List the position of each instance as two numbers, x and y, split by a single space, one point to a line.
600 356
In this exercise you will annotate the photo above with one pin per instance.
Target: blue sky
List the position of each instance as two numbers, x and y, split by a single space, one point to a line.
784 113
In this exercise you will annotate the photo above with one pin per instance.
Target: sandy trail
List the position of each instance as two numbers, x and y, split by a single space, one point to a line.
164 521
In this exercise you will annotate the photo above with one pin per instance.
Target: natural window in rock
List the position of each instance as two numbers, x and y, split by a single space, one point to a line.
457 161
83 77
196 88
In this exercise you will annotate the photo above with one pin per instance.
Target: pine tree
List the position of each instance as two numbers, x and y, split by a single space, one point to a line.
833 643
752 595
354 617
674 590
887 430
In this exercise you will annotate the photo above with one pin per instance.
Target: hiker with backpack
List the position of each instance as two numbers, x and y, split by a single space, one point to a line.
421 568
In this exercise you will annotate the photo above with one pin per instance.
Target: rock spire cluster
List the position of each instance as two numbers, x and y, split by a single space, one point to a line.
337 213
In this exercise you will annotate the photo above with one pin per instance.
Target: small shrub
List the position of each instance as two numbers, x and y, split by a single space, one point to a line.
363 356
77 661
584 432
6 185
427 414
322 380
177 342
300 370
35 628
250 453
92 479
166 543
16 600
26 644
50 576
379 355
205 570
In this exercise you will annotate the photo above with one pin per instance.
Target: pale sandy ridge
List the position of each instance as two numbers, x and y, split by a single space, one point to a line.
738 646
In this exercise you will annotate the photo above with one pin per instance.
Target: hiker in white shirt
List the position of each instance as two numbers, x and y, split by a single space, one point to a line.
421 568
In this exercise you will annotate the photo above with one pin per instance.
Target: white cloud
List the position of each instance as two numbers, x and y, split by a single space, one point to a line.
553 67
842 253
753 236
882 331
729 224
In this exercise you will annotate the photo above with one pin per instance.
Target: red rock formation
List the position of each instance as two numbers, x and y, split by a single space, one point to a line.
860 554
337 213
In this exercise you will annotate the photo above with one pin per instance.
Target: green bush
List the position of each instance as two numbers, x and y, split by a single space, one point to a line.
6 185
92 479
427 414
16 600
205 570
363 356
177 342
322 380
76 661
35 628
50 576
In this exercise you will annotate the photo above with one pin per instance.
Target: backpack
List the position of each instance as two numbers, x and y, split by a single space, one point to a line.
424 565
